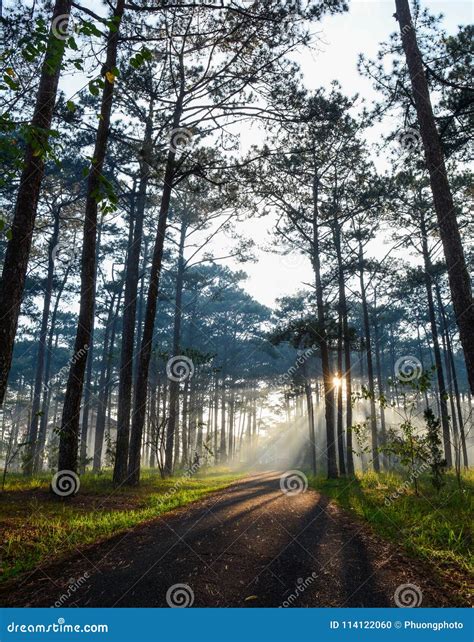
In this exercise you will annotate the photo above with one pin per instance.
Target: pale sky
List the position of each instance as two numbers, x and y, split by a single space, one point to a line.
343 38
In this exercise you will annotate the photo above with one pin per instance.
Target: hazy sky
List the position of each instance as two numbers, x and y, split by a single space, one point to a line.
342 38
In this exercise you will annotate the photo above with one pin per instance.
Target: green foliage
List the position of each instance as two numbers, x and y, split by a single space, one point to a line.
415 448
139 58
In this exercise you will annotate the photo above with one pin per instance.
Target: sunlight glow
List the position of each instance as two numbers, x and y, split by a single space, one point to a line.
337 382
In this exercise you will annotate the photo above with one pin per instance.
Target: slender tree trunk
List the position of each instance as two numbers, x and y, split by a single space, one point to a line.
223 440
450 367
152 299
459 280
347 349
323 342
370 367
18 249
105 382
378 367
215 419
130 311
312 438
174 382
33 443
437 352
185 424
47 389
89 366
338 394
68 442
231 420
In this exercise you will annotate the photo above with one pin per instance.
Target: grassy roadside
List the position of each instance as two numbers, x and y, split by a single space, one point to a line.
36 526
433 526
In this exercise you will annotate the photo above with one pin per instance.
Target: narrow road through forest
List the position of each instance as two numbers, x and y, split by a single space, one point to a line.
248 545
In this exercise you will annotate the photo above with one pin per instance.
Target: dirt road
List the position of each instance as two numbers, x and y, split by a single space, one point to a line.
248 545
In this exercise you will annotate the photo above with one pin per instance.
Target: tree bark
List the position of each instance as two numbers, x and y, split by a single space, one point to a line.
347 349
141 387
89 366
370 367
130 311
434 335
450 367
33 445
68 442
18 249
459 280
323 343
47 391
174 385
105 383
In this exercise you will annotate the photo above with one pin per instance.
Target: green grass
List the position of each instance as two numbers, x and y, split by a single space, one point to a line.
36 526
432 526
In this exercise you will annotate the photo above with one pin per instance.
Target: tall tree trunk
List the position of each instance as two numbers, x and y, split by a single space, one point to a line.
68 442
174 382
231 420
312 438
459 280
185 424
378 368
338 394
105 382
223 440
323 342
434 335
141 387
18 249
347 349
215 418
370 367
89 366
450 367
47 389
130 311
33 443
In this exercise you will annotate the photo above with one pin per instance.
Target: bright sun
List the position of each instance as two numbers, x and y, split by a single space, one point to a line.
337 382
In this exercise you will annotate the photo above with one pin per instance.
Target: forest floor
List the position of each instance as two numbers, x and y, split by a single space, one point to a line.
247 544
434 526
36 526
